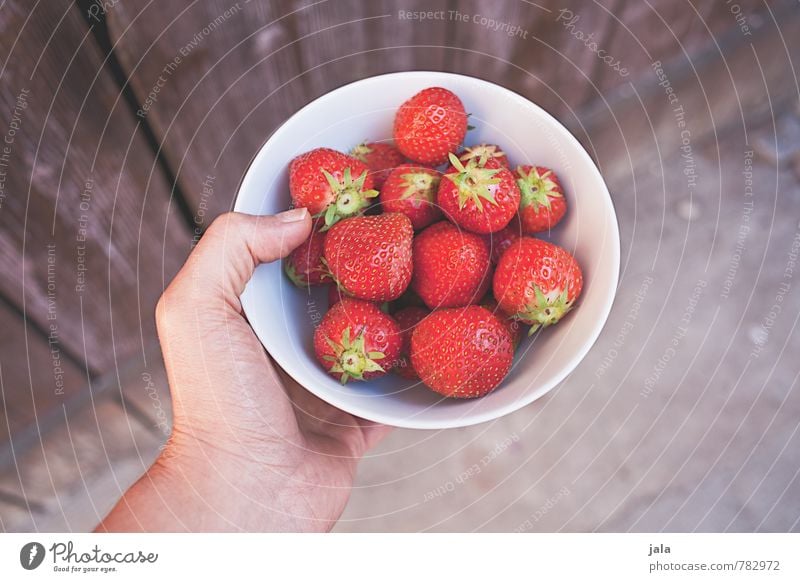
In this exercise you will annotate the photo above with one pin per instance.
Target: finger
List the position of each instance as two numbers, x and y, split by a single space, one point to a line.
230 250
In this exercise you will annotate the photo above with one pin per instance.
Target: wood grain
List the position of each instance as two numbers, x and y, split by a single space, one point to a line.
86 240
255 69
236 81
344 41
34 378
553 61
73 477
719 97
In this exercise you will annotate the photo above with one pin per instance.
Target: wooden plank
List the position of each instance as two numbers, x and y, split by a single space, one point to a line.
543 50
230 77
86 239
144 393
35 378
344 41
257 67
78 471
133 422
722 96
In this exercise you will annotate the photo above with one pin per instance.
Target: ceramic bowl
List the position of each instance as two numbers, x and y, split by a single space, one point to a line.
284 317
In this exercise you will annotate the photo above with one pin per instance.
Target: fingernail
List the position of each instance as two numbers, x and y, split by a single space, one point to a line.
294 215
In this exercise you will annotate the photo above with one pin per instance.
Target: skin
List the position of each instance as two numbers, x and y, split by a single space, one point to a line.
250 450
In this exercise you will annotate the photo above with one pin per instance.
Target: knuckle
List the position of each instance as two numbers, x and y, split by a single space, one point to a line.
222 222
164 306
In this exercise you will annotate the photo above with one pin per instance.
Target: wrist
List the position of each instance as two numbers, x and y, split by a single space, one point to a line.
214 488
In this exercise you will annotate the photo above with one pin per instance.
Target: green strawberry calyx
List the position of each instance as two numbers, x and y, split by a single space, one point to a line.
298 279
481 153
420 183
351 359
327 273
473 182
536 189
361 151
350 198
543 311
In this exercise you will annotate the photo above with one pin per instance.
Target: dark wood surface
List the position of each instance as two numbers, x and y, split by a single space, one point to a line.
82 189
81 170
35 377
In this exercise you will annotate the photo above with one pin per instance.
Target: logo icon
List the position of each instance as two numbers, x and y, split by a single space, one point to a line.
31 555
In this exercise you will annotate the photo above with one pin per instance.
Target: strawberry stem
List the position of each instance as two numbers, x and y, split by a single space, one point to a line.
481 153
352 360
295 277
536 189
473 182
543 312
350 198
420 183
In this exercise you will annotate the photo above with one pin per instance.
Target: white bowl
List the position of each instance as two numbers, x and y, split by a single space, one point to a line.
284 317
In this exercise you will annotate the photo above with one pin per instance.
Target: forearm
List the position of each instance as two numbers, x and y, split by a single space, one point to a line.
191 492
198 489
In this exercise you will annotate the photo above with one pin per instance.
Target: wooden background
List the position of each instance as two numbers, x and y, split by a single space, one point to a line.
83 391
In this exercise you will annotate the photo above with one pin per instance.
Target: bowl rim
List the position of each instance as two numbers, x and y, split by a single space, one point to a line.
574 360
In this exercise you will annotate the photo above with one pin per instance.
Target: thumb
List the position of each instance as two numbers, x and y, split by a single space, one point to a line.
233 246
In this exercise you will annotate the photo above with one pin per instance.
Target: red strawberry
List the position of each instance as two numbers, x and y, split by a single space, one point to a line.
499 241
480 199
511 324
411 189
430 125
330 184
482 154
451 267
380 158
461 353
542 203
356 340
537 282
304 265
407 319
370 256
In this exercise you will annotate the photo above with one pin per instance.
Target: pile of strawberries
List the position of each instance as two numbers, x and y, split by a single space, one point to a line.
410 252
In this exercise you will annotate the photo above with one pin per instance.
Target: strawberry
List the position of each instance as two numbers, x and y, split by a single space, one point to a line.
356 340
499 241
304 265
411 189
407 319
430 125
542 202
480 199
330 184
537 282
461 353
380 158
511 324
483 153
369 257
451 267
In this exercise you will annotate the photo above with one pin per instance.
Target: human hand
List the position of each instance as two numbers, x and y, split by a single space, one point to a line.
250 449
